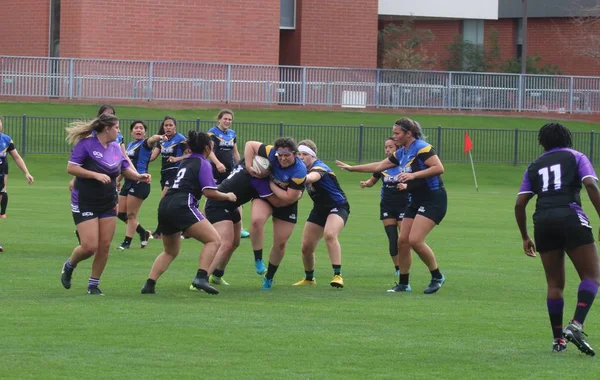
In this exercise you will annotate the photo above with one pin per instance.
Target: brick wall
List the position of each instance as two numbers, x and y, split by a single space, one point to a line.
24 27
237 31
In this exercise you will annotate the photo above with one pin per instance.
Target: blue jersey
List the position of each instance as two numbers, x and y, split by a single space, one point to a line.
390 195
293 176
139 153
412 160
224 142
119 139
173 147
6 146
325 192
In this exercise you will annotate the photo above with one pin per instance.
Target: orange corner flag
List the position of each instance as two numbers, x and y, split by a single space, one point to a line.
468 143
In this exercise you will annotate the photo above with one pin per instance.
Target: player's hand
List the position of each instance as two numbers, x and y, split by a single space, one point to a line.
220 167
102 178
402 186
405 177
363 184
343 165
172 159
529 247
231 197
29 178
145 178
253 172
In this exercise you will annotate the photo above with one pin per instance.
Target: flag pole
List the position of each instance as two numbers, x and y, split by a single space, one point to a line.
473 167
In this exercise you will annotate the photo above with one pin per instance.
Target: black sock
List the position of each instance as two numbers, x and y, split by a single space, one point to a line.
397 267
122 216
309 274
140 230
201 274
127 240
555 311
392 234
403 280
271 270
258 254
3 203
151 282
436 274
585 299
337 270
218 273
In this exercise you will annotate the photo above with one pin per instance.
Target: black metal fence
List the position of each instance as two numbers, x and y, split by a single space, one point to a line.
358 143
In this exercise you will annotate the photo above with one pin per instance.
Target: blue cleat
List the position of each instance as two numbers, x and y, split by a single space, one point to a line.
397 272
399 288
435 285
260 267
267 283
244 234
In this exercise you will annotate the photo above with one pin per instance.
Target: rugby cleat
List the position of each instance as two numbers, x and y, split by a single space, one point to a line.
559 345
435 285
124 246
574 334
259 266
244 234
217 280
66 275
337 281
95 291
149 289
144 238
267 283
399 288
202 284
1 249
304 281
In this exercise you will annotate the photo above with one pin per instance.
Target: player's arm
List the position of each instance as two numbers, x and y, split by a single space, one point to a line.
78 171
214 194
124 151
314 176
150 141
370 182
250 150
132 175
369 168
155 153
236 153
21 164
177 159
591 186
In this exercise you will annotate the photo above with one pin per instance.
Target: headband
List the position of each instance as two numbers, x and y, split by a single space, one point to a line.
305 149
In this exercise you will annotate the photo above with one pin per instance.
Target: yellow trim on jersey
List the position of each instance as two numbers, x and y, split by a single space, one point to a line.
210 134
268 149
299 181
318 168
426 149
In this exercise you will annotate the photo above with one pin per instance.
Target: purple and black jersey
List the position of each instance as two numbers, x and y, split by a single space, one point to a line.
244 186
90 154
194 175
556 178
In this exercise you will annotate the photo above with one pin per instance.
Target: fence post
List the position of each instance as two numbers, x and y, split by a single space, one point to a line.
591 146
521 100
304 86
449 95
281 129
228 84
71 77
377 73
438 148
360 142
23 135
150 84
571 91
516 159
198 125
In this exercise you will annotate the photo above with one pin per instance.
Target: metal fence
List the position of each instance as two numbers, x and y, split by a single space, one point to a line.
359 143
73 78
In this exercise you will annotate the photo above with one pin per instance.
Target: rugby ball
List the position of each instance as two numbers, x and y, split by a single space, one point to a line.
261 165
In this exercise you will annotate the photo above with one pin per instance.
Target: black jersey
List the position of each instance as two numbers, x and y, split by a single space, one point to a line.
224 143
173 147
244 186
390 195
556 178
194 175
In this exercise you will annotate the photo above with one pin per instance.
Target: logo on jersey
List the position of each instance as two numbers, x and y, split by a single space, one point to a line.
293 216
97 154
87 213
421 209
333 210
385 214
226 144
168 150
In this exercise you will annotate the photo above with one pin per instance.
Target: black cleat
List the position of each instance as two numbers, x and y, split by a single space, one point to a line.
435 285
400 288
148 289
574 334
95 291
202 284
124 246
559 345
65 277
147 235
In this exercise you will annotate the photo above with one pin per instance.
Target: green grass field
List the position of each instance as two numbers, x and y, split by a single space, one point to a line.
488 321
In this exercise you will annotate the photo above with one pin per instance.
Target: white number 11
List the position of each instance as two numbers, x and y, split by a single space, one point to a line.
555 169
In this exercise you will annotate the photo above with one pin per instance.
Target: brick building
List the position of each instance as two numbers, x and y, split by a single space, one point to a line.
339 33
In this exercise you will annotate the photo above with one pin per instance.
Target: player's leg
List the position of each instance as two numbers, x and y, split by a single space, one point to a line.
311 235
133 207
204 232
282 230
88 230
404 255
171 245
122 215
554 269
391 227
3 196
230 240
106 231
261 211
421 227
243 232
157 234
334 225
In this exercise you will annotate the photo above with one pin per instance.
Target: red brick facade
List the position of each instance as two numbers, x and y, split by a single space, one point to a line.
24 27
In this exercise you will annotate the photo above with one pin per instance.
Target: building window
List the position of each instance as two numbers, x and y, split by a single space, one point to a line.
472 31
519 34
287 14
54 28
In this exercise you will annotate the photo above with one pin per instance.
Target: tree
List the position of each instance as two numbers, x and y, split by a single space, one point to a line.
534 66
401 47
467 56
585 39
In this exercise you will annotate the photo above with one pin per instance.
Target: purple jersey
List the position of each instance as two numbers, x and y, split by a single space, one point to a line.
556 178
90 154
194 175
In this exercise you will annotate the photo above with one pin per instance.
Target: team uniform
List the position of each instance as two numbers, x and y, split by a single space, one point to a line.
427 195
223 144
178 209
245 187
293 177
327 195
90 198
6 146
556 177
119 139
174 147
393 201
139 153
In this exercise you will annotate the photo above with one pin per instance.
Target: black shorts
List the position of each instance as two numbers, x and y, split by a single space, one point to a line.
318 215
135 189
220 177
82 213
219 214
432 205
286 213
564 233
391 211
177 212
167 178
